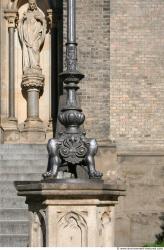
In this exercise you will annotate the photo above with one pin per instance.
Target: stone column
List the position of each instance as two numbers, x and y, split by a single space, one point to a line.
32 28
11 128
51 23
11 16
71 213
32 89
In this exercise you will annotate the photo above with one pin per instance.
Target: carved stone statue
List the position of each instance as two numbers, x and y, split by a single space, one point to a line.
32 31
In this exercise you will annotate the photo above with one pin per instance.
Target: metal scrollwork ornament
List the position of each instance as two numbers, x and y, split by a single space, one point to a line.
72 148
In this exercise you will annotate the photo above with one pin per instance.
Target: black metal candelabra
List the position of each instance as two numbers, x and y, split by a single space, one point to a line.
72 148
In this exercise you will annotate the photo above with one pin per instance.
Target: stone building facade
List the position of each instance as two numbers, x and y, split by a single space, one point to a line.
121 53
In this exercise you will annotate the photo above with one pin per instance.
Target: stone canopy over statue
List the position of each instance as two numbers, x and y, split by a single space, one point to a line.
32 31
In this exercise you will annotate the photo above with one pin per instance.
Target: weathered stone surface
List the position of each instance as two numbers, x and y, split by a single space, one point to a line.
17 162
33 135
141 169
138 214
71 213
11 136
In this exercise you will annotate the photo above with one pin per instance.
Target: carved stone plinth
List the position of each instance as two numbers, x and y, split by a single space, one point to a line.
11 131
33 135
71 213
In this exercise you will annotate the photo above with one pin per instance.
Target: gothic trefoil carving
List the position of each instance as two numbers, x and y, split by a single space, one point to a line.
38 227
75 226
104 225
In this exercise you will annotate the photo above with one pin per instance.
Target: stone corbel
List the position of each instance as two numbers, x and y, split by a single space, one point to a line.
12 17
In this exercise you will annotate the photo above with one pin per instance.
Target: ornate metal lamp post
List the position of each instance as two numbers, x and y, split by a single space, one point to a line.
72 148
56 205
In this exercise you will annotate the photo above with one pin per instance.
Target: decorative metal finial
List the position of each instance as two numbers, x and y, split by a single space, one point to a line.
72 148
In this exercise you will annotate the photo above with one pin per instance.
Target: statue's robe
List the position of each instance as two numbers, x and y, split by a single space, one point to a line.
32 33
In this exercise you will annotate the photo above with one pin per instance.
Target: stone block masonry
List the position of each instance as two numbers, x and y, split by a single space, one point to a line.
137 59
121 53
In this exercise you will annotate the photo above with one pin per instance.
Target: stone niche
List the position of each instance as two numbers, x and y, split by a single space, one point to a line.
13 127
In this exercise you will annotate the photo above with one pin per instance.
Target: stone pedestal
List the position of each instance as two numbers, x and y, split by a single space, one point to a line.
32 89
71 213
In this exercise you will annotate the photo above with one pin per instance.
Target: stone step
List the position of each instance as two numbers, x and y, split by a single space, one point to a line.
14 227
7 184
13 240
18 156
23 146
13 214
8 191
23 150
12 202
15 163
24 169
21 177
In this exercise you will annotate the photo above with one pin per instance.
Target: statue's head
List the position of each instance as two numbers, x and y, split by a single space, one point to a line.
32 4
